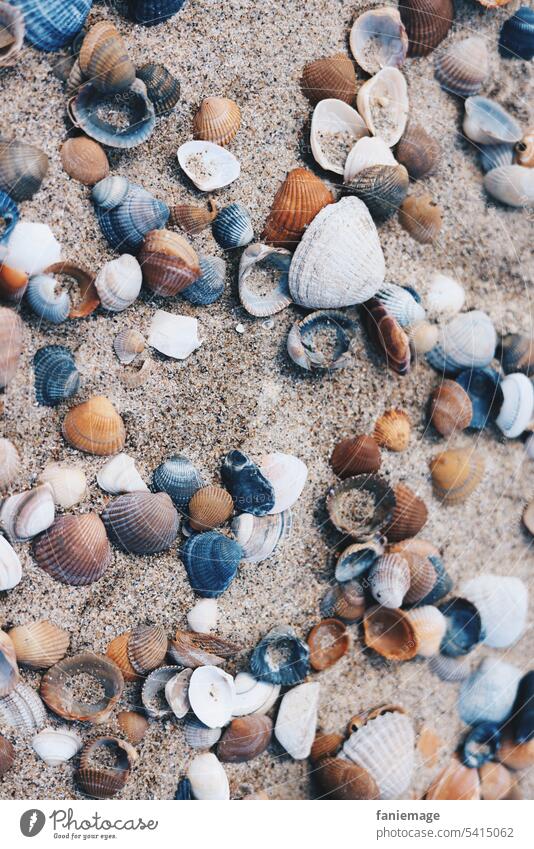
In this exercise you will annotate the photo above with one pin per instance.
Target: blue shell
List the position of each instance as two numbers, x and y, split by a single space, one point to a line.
494 155
517 35
211 560
110 191
523 710
464 627
357 559
56 375
443 584
250 489
288 664
43 300
178 478
210 285
9 215
480 744
50 24
483 387
183 791
233 228
152 12
84 111
127 223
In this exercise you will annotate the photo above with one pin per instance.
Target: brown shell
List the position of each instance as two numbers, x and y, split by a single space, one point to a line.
418 151
450 408
9 673
423 577
23 168
421 218
84 160
217 120
298 200
427 23
388 631
387 336
7 755
142 522
524 150
74 550
56 691
169 262
496 782
516 755
95 427
132 724
210 507
328 641
39 644
456 781
104 782
381 187
355 525
85 281
333 76
117 651
456 473
355 455
528 517
147 647
193 219
345 601
104 60
360 719
11 339
191 649
409 515
245 738
516 353
344 780
429 746
13 284
325 744
392 430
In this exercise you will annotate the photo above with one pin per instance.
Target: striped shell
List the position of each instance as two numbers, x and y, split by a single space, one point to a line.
147 647
211 561
389 580
39 645
85 106
23 709
169 263
161 87
191 649
84 160
23 168
103 782
199 736
381 187
427 23
355 456
193 219
418 151
209 287
178 478
55 374
385 747
429 626
27 514
117 651
468 341
58 681
463 68
75 550
218 120
392 430
343 780
245 739
456 473
489 693
332 77
132 724
387 336
298 200
103 59
409 515
210 507
95 427
232 228
142 522
11 341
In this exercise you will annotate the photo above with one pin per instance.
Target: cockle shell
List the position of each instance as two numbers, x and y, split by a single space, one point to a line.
192 649
463 68
429 626
516 38
211 561
502 604
389 580
153 691
147 647
9 673
347 518
378 40
488 694
253 696
456 781
495 155
468 341
56 745
450 408
496 782
128 344
421 218
84 160
104 60
193 219
103 782
23 168
210 285
31 248
392 430
69 484
211 694
339 260
10 566
400 304
203 616
57 684
259 536
169 262
256 300
389 632
118 283
117 651
209 166
11 342
418 151
232 228
132 724
322 340
12 286
248 486
217 120
245 739
127 212
335 127
518 405
445 296
208 778
383 104
75 550
296 722
210 507
381 187
324 745
11 34
328 641
333 77
516 353
450 668
27 514
511 184
287 475
23 709
39 645
355 455
51 24
423 337
456 473
7 750
486 122
280 657
464 627
178 478
385 747
357 559
161 87
427 23
141 522
120 475
368 152
387 335
56 377
45 302
95 427
341 779
176 693
199 736
86 106
174 335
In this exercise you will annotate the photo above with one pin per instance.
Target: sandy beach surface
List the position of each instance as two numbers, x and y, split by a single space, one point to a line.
241 390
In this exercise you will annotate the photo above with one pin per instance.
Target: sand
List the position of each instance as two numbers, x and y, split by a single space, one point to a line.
241 390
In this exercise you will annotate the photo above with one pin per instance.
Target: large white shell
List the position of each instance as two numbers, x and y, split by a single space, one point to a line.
335 127
119 282
10 567
445 296
486 122
502 602
385 748
339 260
208 779
9 463
208 165
287 475
211 693
203 616
56 746
26 514
253 696
488 694
119 475
174 335
378 39
31 248
259 536
177 693
296 722
518 406
366 153
511 184
69 484
383 104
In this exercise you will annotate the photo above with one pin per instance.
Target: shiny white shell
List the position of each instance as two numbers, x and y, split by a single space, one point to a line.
333 116
208 779
203 616
518 406
27 514
296 722
218 167
31 248
212 693
253 696
177 693
488 694
69 484
174 335
119 475
56 746
10 566
259 536
119 282
445 296
287 475
511 184
367 152
383 104
385 748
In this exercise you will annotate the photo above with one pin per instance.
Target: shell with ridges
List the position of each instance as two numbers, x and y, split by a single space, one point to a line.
495 155
358 558
335 128
385 747
387 335
193 219
56 375
418 151
502 603
361 528
118 283
132 724
211 561
259 536
456 781
468 341
161 87
298 200
127 212
516 353
199 736
486 122
74 550
245 739
209 166
69 483
401 304
456 473
23 168
450 408
296 722
389 632
43 300
427 23
103 59
383 104
210 507
117 651
378 40
420 216
95 427
56 745
39 645
450 668
23 709
445 296
232 228
7 751
169 262
463 68
389 580
381 187
343 780
10 566
85 282
210 285
516 39
27 514
512 185
392 430
178 478
518 405
333 77
355 455
147 647
429 626
11 34
11 341
489 693
103 782
142 522
84 110
217 120
56 687
193 649
51 24
276 261
368 152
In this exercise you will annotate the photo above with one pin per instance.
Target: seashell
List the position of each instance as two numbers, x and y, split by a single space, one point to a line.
511 184
287 475
39 645
464 67
211 561
74 550
368 152
11 341
84 160
528 517
516 38
423 337
400 304
392 430
210 285
208 778
111 192
178 478
387 335
339 261
378 40
381 187
56 375
217 120
343 780
69 484
259 536
355 455
152 12
10 216
429 626
131 114
330 78
10 566
209 166
253 696
480 744
193 219
56 745
9 456
75 79
325 745
495 155
501 602
169 263
7 751
43 300
464 627
518 405
210 507
161 87
32 247
488 694
127 212
424 578
23 709
175 336
132 724
250 489
183 791
358 559
486 122
59 690
27 514
361 506
421 218
384 746
95 427
427 23
322 340
203 616
104 60
468 341
119 475
118 283
9 673
84 280
13 283
297 720
514 755
176 693
211 694
389 580
328 641
390 633
153 692
516 353
335 128
280 657
253 295
298 200
450 668
199 736
103 782
418 151
245 739
383 104
23 168
142 522
147 647
232 227
11 39
127 345
456 781
523 714
496 782
524 150
117 651
191 649
445 296
51 24
450 408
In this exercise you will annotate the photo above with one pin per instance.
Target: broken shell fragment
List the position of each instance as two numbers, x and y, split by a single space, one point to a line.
463 68
154 692
132 117
361 506
259 536
322 340
9 673
245 739
392 430
211 694
27 514
208 778
390 633
193 219
330 78
39 645
516 353
464 627
217 120
445 296
103 782
387 335
524 150
251 491
120 475
357 559
335 128
209 166
253 696
262 279
420 216
193 649
378 40
480 744
84 160
23 709
59 687
56 745
176 692
287 475
12 30
203 616
296 722
174 335
95 427
69 483
383 104
418 151
74 550
280 658
31 248
328 641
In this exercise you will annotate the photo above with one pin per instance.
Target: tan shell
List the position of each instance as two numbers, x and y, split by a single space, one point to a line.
516 755
328 641
84 160
9 464
299 199
324 745
117 651
496 782
193 219
74 550
23 168
7 756
104 782
39 644
423 336
245 738
355 455
392 430
217 120
95 427
331 77
210 507
9 673
104 61
421 218
389 632
345 601
429 626
57 693
451 409
456 473
422 573
169 262
427 23
418 151
132 724
127 344
343 780
11 340
147 647
456 781
409 515
524 150
192 649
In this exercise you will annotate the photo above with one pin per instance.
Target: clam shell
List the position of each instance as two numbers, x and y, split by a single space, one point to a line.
39 645
210 507
232 228
330 78
427 23
516 39
409 515
250 489
368 152
103 59
418 151
27 514
384 746
357 559
502 603
280 658
400 304
57 687
383 104
120 475
23 709
211 561
486 122
516 411
287 475
74 550
208 778
11 285
154 690
169 263
86 107
269 296
423 337
429 626
298 200
450 408
450 668
367 487
511 184
217 120
50 24
423 574
445 296
199 736
10 566
32 247
7 751
193 219
387 335
325 745
11 35
378 40
175 336
209 166
9 673
468 341
132 724
488 694
389 580
421 218
147 647
176 693
209 287
259 536
56 375
495 155
245 739
516 353
322 340
95 427
161 87
389 632
343 780
69 484
11 340
456 781
335 127
178 478
56 745
118 283
84 280
524 150
211 694
523 713
464 627
381 187
84 160
192 649
117 651
142 522
392 430
355 455
464 67
296 722
104 782
328 641
127 212
203 616
253 696
23 168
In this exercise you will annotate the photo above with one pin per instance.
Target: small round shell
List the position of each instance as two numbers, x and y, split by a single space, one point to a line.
355 456
464 67
84 160
56 745
217 120
39 645
389 632
333 77
161 87
69 483
328 641
456 473
418 151
421 218
132 724
392 430
147 647
450 408
389 580
210 507
95 427
427 23
118 283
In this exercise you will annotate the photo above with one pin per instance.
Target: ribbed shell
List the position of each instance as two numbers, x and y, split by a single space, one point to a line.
468 341
210 507
427 23
450 408
328 641
84 160
450 668
463 68
343 780
381 187
126 213
169 262
104 60
12 34
56 745
153 692
389 580
421 218
392 430
245 739
51 24
517 407
199 736
147 647
132 724
118 283
259 536
23 709
387 336
385 747
7 751
153 12
401 304
211 561
489 693
69 483
161 87
333 77
11 339
409 515
104 782
39 645
418 151
516 39
305 338
423 577
23 168
299 199
85 106
117 651
280 657
209 287
56 375
429 626
193 219
456 473
232 227
388 631
355 455
56 692
192 649
178 478
27 514
75 550
456 781
360 529
217 120
516 353
127 344
95 427
142 522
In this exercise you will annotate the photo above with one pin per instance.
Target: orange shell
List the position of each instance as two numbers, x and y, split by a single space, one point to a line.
132 724
456 781
84 160
409 515
298 200
451 409
13 284
355 455
39 644
104 60
147 647
117 651
217 120
74 550
333 76
169 262
496 782
456 474
516 755
210 507
245 738
421 218
328 641
345 780
193 219
392 430
95 427
325 744
86 283
389 632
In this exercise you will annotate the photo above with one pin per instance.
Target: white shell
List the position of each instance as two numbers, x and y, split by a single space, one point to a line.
464 66
259 536
445 296
208 779
23 709
332 116
28 513
529 447
296 722
450 668
486 122
253 259
199 736
287 475
429 626
489 693
119 475
211 693
208 165
31 248
10 567
502 602
511 184
119 282
400 304
383 104
56 746
338 261
384 746
367 152
69 484
203 616
9 463
128 344
176 693
378 39
518 405
253 696
468 341
174 335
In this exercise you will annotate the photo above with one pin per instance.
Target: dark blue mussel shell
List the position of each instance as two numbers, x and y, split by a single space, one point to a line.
250 489
517 35
211 560
281 657
183 791
152 12
464 627
56 375
480 744
523 710
483 387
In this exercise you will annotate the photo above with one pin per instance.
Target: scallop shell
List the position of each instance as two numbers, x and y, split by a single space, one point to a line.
378 40
56 745
421 218
7 751
275 261
56 375
147 647
39 645
456 473
86 107
280 657
161 87
100 782
389 580
464 67
524 150
381 187
516 39
175 336
32 247
516 353
335 127
199 736
27 514
343 780
251 491
117 651
259 536
10 566
210 507
11 341
178 478
11 34
383 104
512 185
486 122
217 120
418 151
169 263
208 778
84 160
142 522
23 709
488 694
328 641
502 604
209 287
445 296
468 341
191 649
287 475
193 219
120 475
423 337
153 692
311 343
118 283
429 626
450 408
75 550
176 693
56 687
127 212
456 781
296 722
495 155
69 483
385 747
368 152
203 616
245 739
361 528
211 561
209 166
389 632
95 427
232 228
400 304
104 60
518 405
355 455
333 77
23 168
450 668
358 558
253 696
392 430
387 335
9 673
427 23
211 694
132 724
